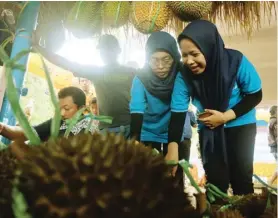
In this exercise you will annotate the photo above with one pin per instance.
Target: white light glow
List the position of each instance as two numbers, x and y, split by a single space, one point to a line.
84 51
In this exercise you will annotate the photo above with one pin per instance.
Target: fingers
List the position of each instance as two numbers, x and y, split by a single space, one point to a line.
210 111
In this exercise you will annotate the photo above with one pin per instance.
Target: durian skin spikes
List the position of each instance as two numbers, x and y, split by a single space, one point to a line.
101 177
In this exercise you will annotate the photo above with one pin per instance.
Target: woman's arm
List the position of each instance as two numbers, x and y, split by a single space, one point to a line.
179 106
249 83
137 108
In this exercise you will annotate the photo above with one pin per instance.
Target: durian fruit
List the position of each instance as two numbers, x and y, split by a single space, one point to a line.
251 205
51 17
227 214
54 10
115 13
52 40
101 177
148 17
190 10
84 19
8 163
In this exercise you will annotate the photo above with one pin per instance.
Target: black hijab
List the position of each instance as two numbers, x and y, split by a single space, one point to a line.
160 88
212 88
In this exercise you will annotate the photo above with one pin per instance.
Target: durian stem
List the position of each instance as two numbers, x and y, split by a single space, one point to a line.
2 146
210 196
212 192
12 95
90 124
217 191
104 119
268 204
225 207
155 151
185 165
56 121
71 122
19 205
262 182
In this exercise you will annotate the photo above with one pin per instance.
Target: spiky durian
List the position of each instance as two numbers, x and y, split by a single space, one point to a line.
101 177
84 19
190 10
227 214
148 17
251 205
8 164
115 13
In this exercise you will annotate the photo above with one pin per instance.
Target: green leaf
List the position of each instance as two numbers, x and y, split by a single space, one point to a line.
22 9
263 183
56 121
3 55
185 165
155 152
71 122
19 205
13 98
104 119
2 146
20 55
6 41
171 162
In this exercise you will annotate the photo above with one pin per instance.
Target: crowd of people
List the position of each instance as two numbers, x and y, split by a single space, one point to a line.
152 104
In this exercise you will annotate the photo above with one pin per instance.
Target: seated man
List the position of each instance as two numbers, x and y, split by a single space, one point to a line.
71 99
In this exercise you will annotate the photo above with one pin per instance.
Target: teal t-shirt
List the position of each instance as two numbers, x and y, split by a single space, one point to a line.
247 82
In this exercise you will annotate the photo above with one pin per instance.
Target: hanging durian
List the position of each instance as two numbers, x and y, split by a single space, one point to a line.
84 19
54 11
115 14
52 40
190 10
51 17
148 17
8 165
100 177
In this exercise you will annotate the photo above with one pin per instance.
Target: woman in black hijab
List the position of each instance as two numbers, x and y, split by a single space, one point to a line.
150 104
225 85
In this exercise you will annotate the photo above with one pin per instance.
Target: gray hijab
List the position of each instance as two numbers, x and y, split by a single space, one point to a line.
160 88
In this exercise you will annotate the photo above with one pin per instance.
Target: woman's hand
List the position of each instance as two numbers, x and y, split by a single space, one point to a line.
217 118
173 154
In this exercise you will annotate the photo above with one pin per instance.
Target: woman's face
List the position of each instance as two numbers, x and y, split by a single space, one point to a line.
161 63
192 57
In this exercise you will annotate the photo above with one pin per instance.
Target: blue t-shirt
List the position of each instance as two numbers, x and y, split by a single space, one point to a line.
157 114
247 82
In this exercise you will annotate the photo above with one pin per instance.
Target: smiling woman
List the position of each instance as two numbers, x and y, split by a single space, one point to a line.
224 83
193 57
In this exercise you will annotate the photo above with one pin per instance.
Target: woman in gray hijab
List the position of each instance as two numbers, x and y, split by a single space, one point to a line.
151 94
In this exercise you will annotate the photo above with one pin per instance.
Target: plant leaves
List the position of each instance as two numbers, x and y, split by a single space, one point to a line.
19 204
